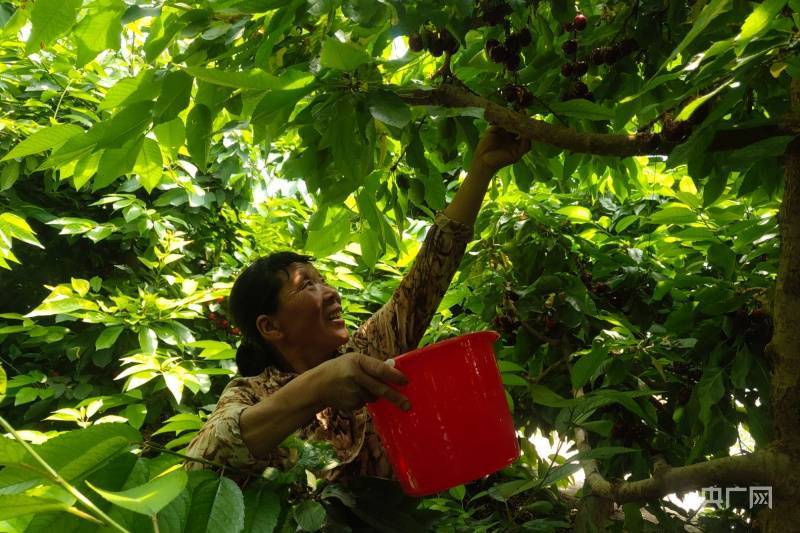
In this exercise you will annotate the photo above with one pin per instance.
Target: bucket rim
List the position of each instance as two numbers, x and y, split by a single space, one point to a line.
493 335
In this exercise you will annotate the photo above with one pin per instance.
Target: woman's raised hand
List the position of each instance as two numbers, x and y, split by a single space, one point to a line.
349 381
499 148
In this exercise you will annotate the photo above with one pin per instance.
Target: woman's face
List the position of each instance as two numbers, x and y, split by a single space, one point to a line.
309 316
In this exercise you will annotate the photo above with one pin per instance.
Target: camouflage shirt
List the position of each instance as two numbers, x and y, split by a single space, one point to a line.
395 328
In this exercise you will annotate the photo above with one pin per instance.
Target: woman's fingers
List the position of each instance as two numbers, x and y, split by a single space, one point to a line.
379 389
382 371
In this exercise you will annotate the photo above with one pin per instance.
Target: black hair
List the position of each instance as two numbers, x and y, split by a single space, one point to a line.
255 293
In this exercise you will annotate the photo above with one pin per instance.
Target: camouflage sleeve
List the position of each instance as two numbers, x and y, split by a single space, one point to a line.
220 440
398 326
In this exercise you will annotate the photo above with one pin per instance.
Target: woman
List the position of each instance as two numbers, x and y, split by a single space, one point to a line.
304 374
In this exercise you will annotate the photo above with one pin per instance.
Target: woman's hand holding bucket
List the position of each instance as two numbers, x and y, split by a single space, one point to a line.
353 379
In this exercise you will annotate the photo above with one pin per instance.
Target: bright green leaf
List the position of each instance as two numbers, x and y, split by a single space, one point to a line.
44 139
576 213
51 19
150 498
342 56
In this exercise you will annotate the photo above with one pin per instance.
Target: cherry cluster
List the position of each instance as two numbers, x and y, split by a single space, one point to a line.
575 68
509 51
595 287
631 432
608 55
218 318
687 371
506 323
517 94
435 40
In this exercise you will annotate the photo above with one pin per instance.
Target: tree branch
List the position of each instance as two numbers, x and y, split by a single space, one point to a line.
611 144
762 467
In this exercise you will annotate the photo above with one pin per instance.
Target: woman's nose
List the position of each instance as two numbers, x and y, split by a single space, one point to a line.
331 295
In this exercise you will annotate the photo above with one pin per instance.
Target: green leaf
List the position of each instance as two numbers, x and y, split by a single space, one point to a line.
634 523
148 341
262 509
108 337
126 91
772 147
342 56
174 98
584 109
161 34
253 79
25 395
586 366
217 507
44 139
576 213
116 162
99 29
172 133
273 111
544 396
11 451
85 168
40 500
625 222
710 390
740 368
149 165
3 383
757 22
389 109
214 350
9 175
606 452
714 187
310 515
51 19
710 12
673 214
723 258
332 237
150 498
198 134
130 122
97 444
348 150
690 108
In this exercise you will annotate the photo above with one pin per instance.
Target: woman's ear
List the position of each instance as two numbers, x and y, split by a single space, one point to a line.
269 328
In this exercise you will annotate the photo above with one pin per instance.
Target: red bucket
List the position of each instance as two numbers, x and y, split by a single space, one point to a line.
459 427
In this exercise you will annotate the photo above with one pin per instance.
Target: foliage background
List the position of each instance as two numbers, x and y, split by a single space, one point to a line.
150 151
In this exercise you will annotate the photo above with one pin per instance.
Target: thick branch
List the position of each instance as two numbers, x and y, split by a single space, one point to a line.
611 144
759 468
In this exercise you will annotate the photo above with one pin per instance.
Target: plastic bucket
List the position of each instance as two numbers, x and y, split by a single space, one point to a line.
459 427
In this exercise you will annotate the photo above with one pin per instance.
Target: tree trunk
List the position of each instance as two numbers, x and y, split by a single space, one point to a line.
784 349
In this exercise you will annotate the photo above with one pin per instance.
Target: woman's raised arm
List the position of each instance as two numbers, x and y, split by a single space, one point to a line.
398 326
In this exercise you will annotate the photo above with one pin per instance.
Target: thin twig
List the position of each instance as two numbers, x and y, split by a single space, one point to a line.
393 168
161 449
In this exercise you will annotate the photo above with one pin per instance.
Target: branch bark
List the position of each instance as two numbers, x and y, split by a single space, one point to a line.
610 144
760 467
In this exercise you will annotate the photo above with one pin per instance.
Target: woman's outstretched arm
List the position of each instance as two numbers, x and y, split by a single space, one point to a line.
496 149
398 326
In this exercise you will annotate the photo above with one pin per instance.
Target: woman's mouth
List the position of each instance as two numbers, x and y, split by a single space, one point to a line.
335 317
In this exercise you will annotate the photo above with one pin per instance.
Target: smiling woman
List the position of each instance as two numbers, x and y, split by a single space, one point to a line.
303 373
